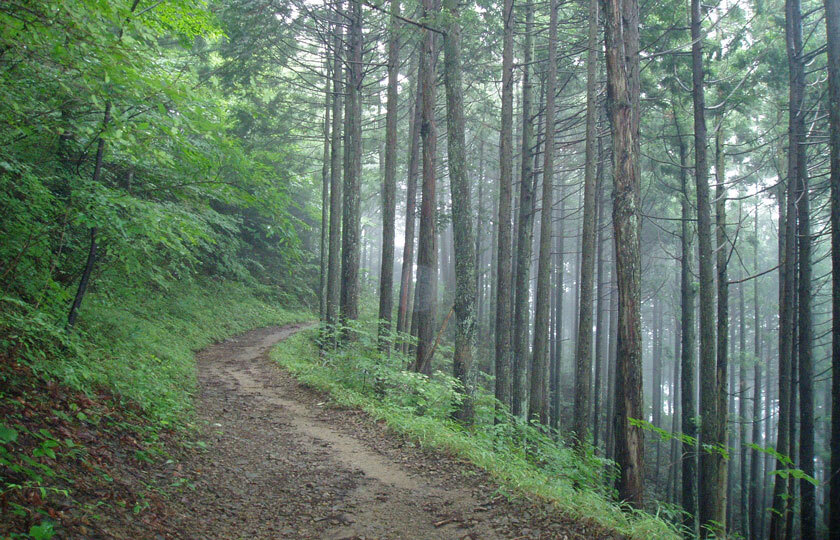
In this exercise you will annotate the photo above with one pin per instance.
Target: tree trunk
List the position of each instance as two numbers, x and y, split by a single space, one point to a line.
336 184
656 394
756 499
742 410
325 198
389 184
559 289
425 301
464 241
503 271
832 23
622 55
793 39
583 353
711 501
406 272
351 217
718 429
688 347
91 258
539 408
522 311
600 333
808 501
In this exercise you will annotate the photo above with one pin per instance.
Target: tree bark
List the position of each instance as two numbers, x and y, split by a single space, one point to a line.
559 290
538 406
832 23
464 241
756 498
389 184
586 281
425 302
711 502
407 270
522 311
351 216
91 258
503 271
600 333
787 319
622 55
688 362
336 184
325 198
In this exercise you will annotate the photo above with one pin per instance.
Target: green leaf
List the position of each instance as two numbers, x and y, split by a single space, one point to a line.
7 434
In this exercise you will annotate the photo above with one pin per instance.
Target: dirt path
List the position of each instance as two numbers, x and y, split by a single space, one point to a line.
282 465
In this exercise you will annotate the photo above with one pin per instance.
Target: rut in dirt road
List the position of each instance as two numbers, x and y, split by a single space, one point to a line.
279 467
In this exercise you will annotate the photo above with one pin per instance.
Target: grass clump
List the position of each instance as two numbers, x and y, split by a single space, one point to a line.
138 343
520 457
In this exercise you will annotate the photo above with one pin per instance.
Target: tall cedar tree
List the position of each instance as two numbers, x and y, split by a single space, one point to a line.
787 319
389 183
832 23
336 158
351 217
464 241
406 283
325 194
538 405
808 513
710 490
524 233
503 260
583 355
425 303
621 38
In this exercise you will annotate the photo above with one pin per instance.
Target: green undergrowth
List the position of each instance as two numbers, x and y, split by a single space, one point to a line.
139 344
92 422
522 459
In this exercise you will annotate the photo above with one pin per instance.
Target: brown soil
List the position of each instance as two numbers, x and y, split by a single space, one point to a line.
283 463
280 461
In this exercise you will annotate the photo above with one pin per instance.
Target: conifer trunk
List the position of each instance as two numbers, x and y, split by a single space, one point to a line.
538 406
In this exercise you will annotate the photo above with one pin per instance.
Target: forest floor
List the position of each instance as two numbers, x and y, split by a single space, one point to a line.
281 462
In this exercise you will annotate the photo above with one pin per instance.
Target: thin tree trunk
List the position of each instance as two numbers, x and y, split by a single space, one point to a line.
718 428
91 258
336 184
832 23
425 301
600 334
622 55
793 35
464 241
539 407
742 410
522 311
756 499
503 272
406 283
808 500
325 198
688 349
351 217
389 184
559 289
611 358
711 503
656 394
586 281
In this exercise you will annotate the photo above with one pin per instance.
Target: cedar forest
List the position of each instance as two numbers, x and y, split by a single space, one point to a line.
597 242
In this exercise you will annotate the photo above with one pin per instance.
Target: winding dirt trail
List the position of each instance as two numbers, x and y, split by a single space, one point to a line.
281 464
